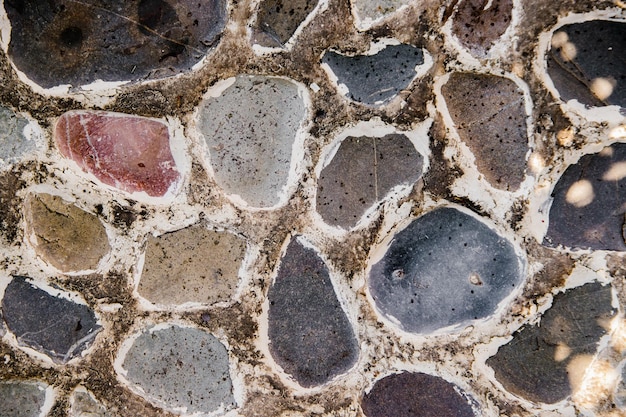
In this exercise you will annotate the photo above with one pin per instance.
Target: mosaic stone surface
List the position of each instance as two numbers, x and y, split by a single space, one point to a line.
478 23
84 405
79 42
310 335
21 399
49 324
179 367
361 173
13 143
372 10
191 265
588 207
540 361
278 20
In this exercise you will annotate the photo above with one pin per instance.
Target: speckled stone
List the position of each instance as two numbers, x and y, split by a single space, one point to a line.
83 404
191 265
79 42
250 131
66 237
445 268
416 394
489 115
21 398
178 367
13 143
371 10
361 173
588 207
376 79
48 324
478 27
278 20
310 336
131 153
537 364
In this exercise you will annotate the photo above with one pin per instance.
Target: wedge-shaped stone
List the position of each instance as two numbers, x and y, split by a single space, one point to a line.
588 210
51 325
416 394
13 143
127 152
192 265
445 268
542 361
310 335
362 171
63 235
479 23
79 42
22 398
250 131
180 368
369 11
278 20
376 79
489 115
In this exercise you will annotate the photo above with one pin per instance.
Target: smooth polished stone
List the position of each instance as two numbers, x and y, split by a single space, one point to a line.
369 11
22 398
479 23
278 20
13 143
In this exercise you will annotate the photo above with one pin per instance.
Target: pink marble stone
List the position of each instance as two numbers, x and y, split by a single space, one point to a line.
127 152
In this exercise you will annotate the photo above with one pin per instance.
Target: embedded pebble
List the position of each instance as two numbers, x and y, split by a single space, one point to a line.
479 23
22 398
372 10
278 20
180 368
13 143
361 173
310 336
83 404
446 268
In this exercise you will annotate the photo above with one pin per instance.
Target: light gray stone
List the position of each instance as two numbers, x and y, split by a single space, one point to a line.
13 143
21 399
370 10
85 405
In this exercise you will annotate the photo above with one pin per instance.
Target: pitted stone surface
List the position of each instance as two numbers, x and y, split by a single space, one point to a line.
250 131
21 398
127 152
588 207
191 265
84 405
376 79
68 238
539 362
416 394
278 20
179 367
445 268
310 335
13 143
79 42
372 10
489 115
585 62
361 173
49 324
479 23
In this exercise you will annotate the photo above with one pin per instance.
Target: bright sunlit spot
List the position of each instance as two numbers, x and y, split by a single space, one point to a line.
580 194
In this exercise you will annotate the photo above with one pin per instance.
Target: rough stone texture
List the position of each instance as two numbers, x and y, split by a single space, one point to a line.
416 394
278 20
250 131
376 79
66 237
586 62
127 152
84 405
2 328
52 325
79 42
489 115
361 173
588 207
180 367
538 364
21 399
620 391
310 335
192 265
478 26
13 143
371 10
445 268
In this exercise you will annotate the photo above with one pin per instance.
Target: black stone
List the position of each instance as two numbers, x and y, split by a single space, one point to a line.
278 20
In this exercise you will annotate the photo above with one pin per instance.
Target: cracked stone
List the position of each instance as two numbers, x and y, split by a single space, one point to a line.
588 207
13 143
250 130
489 115
585 62
192 265
446 268
278 20
310 336
372 10
83 404
543 361
22 398
376 79
416 394
130 153
66 237
79 42
55 326
477 26
361 173
180 367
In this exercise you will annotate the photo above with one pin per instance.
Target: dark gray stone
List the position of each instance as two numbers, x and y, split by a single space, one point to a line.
477 27
361 173
278 20
527 365
445 268
588 207
52 325
310 335
376 79
21 399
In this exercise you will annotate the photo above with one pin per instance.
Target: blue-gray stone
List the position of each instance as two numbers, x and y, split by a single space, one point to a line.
13 143
21 399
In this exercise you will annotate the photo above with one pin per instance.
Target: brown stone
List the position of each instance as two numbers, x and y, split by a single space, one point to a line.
477 26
